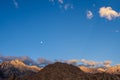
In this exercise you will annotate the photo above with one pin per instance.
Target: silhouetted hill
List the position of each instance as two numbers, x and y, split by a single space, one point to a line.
59 71
63 71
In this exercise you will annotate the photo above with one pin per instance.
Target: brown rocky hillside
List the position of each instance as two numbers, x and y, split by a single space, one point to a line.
63 71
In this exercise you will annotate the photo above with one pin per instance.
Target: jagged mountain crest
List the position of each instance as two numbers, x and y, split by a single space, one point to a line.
20 71
19 65
17 62
113 69
63 71
16 67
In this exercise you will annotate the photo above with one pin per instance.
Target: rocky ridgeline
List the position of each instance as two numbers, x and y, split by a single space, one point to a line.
17 70
63 71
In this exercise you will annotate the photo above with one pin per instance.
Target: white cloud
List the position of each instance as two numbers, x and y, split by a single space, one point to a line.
68 6
73 61
107 63
44 61
15 3
60 1
89 14
89 62
117 31
108 13
62 4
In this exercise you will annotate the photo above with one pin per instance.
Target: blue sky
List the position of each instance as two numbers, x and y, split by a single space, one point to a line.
61 29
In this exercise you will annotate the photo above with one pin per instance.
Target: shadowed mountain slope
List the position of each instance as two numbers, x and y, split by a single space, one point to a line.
59 71
63 71
17 68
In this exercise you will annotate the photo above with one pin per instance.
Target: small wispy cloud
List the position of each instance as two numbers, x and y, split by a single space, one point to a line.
63 4
108 13
60 1
89 63
43 62
15 3
68 6
89 15
117 31
27 60
107 63
73 61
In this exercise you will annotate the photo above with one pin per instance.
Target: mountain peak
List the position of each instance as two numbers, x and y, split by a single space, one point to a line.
17 67
59 71
17 62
